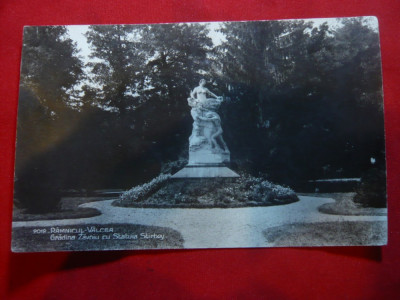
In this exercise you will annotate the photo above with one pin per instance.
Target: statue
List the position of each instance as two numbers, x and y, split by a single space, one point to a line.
208 152
206 144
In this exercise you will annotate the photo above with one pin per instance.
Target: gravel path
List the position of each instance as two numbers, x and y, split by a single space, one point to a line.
215 227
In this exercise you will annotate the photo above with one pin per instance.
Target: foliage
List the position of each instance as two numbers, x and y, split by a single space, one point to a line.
37 190
372 189
50 70
172 167
118 61
305 91
302 102
345 205
138 193
50 65
177 56
208 192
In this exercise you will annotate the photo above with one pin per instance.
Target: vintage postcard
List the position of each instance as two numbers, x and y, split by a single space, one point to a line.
200 135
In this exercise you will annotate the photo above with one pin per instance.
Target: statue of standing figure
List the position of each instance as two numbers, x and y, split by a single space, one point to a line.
209 156
206 144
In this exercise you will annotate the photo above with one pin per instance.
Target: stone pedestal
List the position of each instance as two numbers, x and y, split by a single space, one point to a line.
207 156
206 164
205 172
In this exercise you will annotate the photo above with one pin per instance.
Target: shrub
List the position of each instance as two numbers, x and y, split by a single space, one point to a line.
140 192
36 192
172 167
372 190
207 192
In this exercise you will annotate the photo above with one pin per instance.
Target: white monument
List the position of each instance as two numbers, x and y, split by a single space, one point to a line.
208 152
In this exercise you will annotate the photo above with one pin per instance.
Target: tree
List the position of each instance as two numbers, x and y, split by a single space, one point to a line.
118 64
50 66
176 60
49 72
306 97
258 60
141 78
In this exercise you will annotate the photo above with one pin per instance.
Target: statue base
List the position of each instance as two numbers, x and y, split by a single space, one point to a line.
207 156
205 163
204 171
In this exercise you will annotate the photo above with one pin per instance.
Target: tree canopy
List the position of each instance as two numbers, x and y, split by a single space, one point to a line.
301 102
50 66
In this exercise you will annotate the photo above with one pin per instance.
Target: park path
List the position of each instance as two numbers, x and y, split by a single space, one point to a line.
214 227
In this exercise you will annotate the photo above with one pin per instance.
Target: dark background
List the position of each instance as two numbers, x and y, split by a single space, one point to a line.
357 272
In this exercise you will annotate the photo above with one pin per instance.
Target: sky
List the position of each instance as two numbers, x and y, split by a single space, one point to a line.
76 32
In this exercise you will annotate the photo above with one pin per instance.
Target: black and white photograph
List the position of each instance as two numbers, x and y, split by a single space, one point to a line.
200 135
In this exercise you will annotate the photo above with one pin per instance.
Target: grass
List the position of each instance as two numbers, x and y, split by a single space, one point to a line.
344 205
122 238
69 209
347 233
